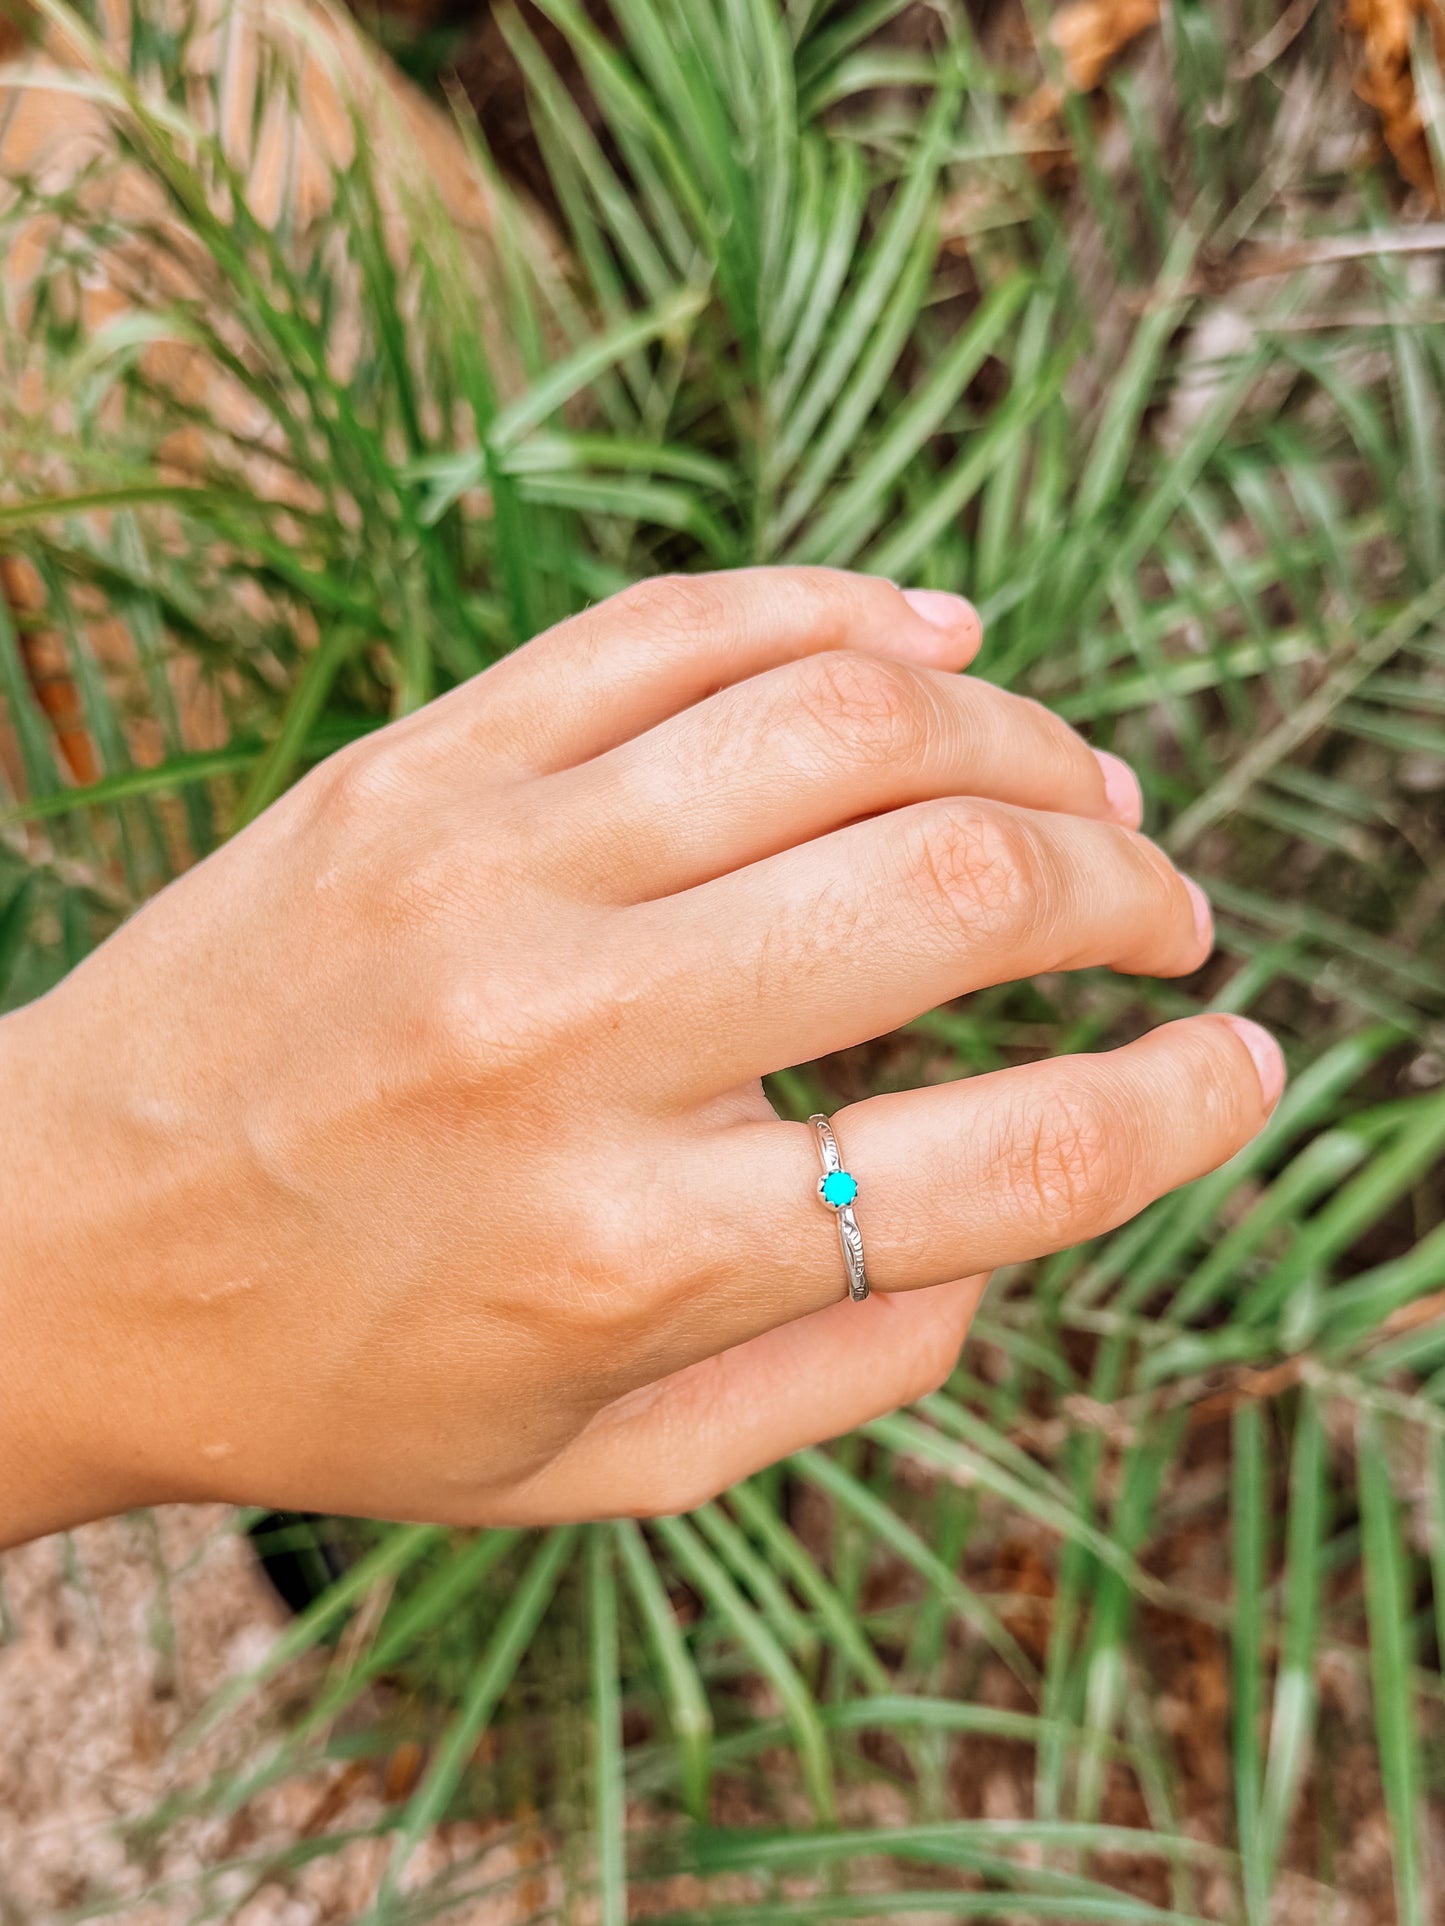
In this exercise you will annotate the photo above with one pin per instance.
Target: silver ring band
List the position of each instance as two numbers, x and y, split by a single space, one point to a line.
837 1188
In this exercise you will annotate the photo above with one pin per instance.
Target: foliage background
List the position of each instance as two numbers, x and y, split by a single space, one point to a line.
1145 354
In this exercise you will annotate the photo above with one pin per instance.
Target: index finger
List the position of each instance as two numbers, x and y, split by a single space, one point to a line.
616 670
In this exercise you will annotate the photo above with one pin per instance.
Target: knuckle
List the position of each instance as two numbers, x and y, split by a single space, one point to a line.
978 869
1168 938
677 609
1057 738
1070 1165
533 1034
864 710
1156 876
814 601
431 889
477 1041
617 1284
360 784
674 1492
341 822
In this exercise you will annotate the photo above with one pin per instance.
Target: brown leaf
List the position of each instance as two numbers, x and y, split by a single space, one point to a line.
1386 80
47 666
1091 33
403 1771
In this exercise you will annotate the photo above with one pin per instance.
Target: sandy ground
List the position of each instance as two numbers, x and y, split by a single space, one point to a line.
113 1638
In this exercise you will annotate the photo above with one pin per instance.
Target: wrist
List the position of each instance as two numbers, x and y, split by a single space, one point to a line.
69 1450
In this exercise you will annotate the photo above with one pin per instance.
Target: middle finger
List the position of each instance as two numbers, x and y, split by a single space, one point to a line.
842 939
805 748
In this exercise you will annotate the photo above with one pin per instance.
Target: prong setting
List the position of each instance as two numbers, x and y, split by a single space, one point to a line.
837 1188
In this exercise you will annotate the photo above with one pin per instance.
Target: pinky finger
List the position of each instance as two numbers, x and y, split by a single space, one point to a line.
677 1443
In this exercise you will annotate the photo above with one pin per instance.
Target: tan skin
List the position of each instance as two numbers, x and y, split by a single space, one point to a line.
409 1156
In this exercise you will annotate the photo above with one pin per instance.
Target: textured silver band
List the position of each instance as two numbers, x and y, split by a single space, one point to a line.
849 1235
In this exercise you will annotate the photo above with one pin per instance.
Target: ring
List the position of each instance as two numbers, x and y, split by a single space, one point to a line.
837 1188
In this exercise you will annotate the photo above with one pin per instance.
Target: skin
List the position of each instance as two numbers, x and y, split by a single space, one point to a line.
408 1157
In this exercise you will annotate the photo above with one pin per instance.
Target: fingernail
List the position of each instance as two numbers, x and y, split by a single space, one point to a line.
1268 1057
1203 915
1121 789
942 610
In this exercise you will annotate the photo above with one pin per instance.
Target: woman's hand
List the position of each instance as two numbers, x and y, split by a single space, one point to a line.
409 1157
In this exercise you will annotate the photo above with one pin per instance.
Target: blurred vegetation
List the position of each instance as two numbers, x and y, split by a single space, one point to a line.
1154 372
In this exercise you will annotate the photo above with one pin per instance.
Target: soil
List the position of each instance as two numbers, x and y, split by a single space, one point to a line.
112 1639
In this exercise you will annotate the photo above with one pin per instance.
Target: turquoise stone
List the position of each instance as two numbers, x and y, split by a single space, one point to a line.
839 1188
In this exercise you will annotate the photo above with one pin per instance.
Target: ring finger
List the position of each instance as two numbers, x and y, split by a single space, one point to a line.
959 1178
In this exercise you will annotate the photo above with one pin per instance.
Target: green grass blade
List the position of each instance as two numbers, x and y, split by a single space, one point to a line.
708 1576
274 768
851 517
1293 1717
15 913
1387 1607
1247 1646
490 1677
688 1710
905 1436
609 1787
783 1547
398 1548
896 243
581 368
893 1531
761 1581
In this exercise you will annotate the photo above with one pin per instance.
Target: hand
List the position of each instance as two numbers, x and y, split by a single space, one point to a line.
408 1157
